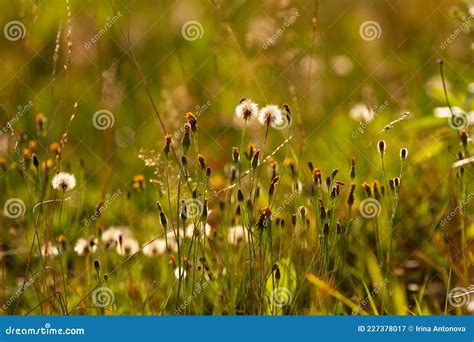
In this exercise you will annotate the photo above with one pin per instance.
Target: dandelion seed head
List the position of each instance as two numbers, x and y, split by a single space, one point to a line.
246 109
270 115
64 181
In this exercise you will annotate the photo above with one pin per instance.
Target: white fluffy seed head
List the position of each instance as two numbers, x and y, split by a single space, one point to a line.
270 115
246 109
64 181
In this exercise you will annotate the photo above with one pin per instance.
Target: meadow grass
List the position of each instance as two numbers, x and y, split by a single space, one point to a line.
244 182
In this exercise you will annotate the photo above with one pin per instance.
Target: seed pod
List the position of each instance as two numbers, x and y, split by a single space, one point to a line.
192 121
235 155
353 168
240 195
311 167
205 211
367 189
184 211
168 141
186 142
293 219
350 200
391 184
403 153
396 182
338 227
277 272
35 161
255 159
202 161
97 265
326 229
463 136
381 146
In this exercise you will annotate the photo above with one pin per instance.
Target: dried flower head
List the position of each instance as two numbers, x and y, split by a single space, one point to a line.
246 109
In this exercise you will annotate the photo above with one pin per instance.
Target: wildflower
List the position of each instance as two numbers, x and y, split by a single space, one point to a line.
202 161
362 113
154 248
237 235
192 121
246 109
138 182
63 181
47 164
84 246
235 154
190 231
255 159
111 236
32 145
55 147
127 246
264 218
48 249
270 116
186 142
177 272
40 120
